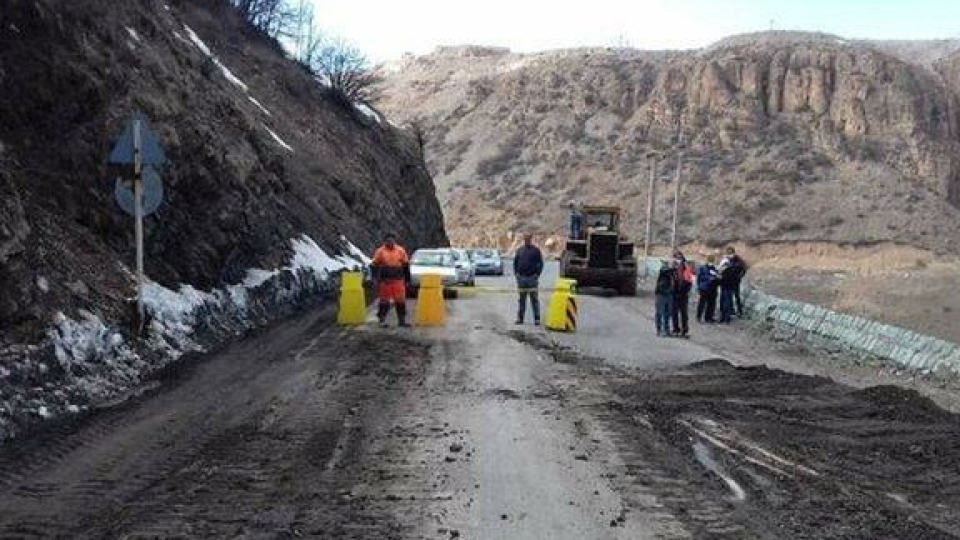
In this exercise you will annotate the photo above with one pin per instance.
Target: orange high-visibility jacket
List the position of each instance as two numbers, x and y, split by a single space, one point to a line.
389 262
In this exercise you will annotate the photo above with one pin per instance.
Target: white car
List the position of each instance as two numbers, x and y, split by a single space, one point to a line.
466 273
433 261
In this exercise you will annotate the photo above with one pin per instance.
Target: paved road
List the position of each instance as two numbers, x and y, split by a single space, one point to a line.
484 429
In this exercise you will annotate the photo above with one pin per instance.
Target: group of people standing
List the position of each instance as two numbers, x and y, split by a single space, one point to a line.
676 280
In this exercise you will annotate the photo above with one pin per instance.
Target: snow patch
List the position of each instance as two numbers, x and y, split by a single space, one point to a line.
43 284
90 342
174 316
133 34
277 138
369 112
356 252
308 255
257 276
195 39
259 105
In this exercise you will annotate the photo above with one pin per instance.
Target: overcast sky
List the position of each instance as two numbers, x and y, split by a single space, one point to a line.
386 29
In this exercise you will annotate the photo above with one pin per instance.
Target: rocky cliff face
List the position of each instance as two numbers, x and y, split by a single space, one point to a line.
259 155
785 137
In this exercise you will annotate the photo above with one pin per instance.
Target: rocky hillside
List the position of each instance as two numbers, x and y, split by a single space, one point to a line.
259 155
273 186
788 136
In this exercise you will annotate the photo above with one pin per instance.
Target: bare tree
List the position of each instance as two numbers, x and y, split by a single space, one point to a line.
345 69
276 18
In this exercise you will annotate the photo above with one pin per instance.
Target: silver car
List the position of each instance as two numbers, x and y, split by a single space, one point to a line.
487 262
433 261
466 274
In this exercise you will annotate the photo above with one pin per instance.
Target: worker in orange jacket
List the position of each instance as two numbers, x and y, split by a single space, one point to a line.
391 269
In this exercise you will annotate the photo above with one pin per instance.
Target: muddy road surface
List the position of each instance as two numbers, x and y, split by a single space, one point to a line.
488 430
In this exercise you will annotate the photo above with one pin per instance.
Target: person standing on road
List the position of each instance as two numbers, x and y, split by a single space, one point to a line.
728 284
681 295
391 270
707 284
527 267
666 280
739 267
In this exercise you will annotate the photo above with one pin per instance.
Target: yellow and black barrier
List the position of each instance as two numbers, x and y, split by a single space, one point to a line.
562 310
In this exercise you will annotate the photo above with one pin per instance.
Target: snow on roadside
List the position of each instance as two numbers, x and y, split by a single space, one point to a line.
277 138
175 313
84 362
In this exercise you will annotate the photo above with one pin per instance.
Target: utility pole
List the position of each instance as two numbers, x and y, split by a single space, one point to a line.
676 194
651 200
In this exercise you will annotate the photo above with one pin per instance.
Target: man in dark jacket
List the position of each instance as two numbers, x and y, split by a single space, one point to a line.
666 281
707 286
739 270
527 267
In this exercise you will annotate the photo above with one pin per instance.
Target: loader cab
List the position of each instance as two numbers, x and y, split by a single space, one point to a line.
601 257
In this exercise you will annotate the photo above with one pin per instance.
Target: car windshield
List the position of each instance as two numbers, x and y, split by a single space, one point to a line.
485 254
430 258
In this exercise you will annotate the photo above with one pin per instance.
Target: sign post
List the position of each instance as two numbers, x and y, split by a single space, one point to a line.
138 146
138 216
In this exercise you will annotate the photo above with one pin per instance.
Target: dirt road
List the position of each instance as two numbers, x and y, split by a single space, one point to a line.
488 430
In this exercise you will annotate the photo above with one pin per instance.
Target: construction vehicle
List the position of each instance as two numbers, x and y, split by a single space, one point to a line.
600 256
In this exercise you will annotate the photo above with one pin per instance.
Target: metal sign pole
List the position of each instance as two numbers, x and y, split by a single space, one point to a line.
676 201
138 205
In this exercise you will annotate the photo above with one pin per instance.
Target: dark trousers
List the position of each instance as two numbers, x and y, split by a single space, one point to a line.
726 303
681 313
707 305
664 309
527 286
383 309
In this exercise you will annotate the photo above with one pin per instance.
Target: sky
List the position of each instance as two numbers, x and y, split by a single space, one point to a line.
386 29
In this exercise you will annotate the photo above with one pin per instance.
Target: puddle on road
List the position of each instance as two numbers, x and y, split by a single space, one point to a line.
705 457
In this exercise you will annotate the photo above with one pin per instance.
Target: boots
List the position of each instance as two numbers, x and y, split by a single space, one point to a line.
382 311
402 314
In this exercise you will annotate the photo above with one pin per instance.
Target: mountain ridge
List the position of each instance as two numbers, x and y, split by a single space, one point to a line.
788 140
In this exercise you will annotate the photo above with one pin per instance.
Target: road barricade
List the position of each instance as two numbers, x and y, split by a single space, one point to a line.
562 310
430 310
353 303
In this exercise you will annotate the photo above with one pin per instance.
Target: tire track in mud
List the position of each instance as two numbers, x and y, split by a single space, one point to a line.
729 452
279 448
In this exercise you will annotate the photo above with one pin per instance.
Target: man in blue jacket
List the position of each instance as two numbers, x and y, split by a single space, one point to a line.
527 267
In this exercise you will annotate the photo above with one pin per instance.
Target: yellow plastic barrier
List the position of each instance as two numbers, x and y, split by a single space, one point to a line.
353 303
562 310
431 310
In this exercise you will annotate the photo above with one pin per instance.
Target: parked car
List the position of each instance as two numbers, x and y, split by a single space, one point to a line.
432 261
487 262
466 274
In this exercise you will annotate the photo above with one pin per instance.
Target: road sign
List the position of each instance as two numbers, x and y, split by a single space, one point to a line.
152 193
139 147
151 153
